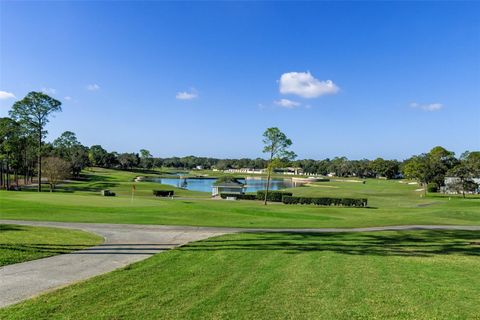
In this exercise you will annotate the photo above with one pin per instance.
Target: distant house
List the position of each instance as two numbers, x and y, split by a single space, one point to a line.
234 187
290 170
294 170
246 170
453 186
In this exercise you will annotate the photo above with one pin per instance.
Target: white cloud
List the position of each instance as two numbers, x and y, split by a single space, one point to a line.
67 98
93 87
287 103
6 95
187 95
49 90
427 107
305 85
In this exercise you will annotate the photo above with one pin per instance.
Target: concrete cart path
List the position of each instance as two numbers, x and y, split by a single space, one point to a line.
124 244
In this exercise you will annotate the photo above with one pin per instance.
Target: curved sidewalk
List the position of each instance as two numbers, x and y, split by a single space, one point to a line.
124 244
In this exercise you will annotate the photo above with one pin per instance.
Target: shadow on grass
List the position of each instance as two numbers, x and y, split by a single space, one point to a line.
96 187
41 248
10 227
85 182
391 243
54 249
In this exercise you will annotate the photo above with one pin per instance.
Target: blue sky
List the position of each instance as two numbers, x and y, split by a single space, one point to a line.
360 79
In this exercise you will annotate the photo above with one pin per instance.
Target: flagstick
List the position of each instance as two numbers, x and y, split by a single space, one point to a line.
133 192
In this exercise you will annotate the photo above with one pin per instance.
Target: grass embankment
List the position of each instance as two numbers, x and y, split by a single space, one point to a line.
24 243
391 203
380 275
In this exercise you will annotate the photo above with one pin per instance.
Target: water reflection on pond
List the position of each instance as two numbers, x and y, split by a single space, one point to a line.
253 184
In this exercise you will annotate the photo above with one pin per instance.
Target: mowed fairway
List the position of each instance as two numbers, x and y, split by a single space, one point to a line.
371 275
24 243
390 203
380 275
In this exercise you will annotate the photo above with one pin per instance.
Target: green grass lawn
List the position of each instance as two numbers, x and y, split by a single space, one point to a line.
378 275
24 243
391 203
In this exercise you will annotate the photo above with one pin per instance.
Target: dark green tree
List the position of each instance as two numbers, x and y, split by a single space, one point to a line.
10 148
128 160
418 168
465 178
472 162
65 143
146 159
440 160
33 111
70 149
97 156
385 168
276 145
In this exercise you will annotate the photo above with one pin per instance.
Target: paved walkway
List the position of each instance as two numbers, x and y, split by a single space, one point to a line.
124 244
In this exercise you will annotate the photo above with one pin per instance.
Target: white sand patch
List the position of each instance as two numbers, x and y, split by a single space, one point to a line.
319 186
418 190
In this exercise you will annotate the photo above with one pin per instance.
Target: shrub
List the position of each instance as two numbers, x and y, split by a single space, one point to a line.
325 201
273 196
239 196
432 187
107 193
163 193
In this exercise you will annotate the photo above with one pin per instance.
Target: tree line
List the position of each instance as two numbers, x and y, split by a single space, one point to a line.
24 155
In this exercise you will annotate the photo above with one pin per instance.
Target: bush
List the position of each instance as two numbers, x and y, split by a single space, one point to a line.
432 187
225 179
163 193
325 201
239 196
107 193
273 196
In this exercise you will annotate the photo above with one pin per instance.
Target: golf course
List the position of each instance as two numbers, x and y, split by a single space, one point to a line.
239 160
389 203
403 274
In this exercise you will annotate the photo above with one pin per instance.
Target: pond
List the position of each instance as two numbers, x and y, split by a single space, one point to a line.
253 184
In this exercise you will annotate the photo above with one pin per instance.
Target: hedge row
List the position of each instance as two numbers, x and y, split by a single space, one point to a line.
239 196
163 193
107 193
273 196
346 202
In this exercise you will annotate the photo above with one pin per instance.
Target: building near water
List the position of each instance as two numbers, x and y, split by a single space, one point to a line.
233 187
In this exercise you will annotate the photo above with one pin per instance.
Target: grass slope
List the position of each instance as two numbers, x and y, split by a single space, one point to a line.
24 243
391 203
378 275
